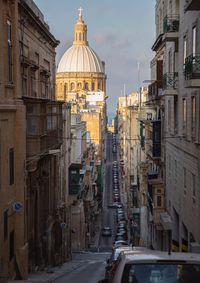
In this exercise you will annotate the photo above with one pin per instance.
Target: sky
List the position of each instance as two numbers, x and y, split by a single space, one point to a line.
121 32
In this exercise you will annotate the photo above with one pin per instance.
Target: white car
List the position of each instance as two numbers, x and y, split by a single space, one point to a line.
106 231
150 266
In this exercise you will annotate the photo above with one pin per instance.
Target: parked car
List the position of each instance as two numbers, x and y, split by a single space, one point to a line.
106 231
115 205
120 243
111 262
157 266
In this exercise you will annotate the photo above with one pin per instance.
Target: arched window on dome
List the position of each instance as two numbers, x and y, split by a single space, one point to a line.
72 86
86 86
93 86
65 89
79 85
99 86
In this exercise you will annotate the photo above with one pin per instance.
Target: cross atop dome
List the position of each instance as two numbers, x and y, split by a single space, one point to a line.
80 11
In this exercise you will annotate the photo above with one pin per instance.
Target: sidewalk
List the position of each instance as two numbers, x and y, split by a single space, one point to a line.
52 274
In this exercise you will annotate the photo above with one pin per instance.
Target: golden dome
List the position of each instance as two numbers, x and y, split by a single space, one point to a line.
80 57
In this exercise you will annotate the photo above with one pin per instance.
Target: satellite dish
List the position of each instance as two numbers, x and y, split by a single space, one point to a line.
17 206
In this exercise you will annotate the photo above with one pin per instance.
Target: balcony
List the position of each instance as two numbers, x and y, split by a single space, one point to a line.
74 178
154 90
41 144
192 71
170 84
158 43
43 127
156 198
154 147
171 28
192 5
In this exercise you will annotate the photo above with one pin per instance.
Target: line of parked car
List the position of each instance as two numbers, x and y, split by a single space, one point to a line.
114 143
121 233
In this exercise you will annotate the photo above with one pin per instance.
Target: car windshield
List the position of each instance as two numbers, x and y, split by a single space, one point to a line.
161 273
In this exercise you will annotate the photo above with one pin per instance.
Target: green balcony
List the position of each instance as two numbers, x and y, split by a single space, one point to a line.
192 71
171 24
171 28
170 84
192 5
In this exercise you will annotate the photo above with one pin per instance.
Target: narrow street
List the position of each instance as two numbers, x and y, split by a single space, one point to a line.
90 266
108 214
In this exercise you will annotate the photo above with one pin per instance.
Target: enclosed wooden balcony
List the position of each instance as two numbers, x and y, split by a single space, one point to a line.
170 84
192 71
192 5
44 126
156 198
153 147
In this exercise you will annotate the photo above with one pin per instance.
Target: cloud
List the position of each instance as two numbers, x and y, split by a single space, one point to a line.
112 39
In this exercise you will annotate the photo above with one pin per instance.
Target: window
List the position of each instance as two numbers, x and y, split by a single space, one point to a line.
79 86
5 224
11 166
169 115
25 81
12 244
9 33
72 86
184 178
193 185
159 200
65 90
32 125
184 114
193 112
175 115
86 86
93 86
99 86
194 40
184 49
33 83
169 61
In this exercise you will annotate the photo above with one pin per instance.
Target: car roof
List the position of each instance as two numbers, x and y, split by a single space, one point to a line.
159 256
123 248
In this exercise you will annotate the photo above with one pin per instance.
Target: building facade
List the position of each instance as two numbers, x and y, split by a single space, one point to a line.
35 214
182 128
45 197
14 248
174 93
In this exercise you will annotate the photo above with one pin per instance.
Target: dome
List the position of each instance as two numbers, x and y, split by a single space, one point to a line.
80 58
